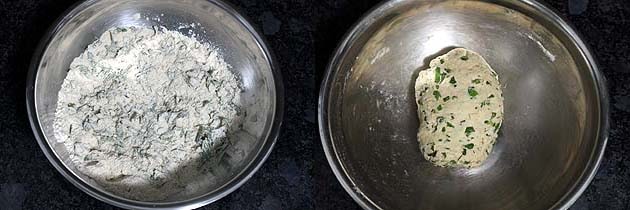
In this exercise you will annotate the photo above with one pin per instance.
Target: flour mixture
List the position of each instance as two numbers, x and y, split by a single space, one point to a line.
145 110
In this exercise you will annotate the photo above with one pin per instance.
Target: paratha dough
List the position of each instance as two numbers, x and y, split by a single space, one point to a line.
460 106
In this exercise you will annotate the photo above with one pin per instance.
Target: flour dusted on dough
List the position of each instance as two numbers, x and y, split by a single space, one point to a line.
143 111
460 106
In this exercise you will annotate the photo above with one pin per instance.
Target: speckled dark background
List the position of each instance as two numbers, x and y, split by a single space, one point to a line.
302 34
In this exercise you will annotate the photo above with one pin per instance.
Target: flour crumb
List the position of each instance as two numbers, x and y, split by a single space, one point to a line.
549 55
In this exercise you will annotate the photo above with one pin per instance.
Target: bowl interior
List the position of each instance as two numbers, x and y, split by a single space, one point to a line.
212 23
552 108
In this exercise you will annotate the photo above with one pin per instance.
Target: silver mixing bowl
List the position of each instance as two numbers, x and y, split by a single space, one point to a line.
556 107
242 48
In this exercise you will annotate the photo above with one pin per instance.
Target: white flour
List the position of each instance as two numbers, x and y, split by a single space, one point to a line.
143 111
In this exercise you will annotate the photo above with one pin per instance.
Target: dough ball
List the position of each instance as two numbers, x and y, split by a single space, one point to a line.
460 107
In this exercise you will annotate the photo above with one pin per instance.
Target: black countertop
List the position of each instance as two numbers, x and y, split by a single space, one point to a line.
302 35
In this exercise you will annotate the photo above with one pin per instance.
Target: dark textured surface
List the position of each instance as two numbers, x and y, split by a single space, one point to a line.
302 34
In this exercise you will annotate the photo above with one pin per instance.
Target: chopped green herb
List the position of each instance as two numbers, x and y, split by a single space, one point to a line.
446 98
437 94
439 107
485 102
453 81
454 97
443 129
440 119
491 96
472 92
466 162
464 152
441 61
432 154
438 75
444 154
71 104
487 83
469 146
464 58
447 70
452 162
494 114
469 130
476 81
449 124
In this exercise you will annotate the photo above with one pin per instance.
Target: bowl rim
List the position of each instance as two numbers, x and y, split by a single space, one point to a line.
367 19
234 183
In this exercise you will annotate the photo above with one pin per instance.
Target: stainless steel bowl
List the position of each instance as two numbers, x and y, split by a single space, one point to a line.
556 107
242 48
